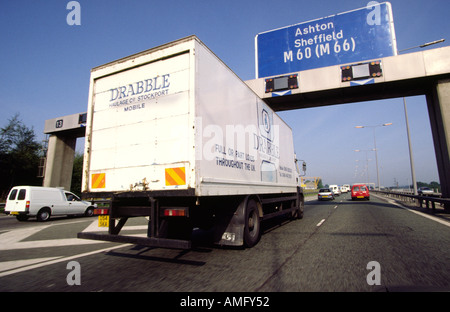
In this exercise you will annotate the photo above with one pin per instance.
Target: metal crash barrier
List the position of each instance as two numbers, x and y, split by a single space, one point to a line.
419 199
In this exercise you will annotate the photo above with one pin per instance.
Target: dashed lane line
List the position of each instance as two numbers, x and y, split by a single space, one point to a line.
320 223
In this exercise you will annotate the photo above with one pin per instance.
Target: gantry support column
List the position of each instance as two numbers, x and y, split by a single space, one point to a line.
438 100
60 157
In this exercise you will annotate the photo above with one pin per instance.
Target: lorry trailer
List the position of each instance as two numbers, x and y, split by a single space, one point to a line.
176 136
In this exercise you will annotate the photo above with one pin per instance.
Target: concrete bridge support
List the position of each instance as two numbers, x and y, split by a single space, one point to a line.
60 157
438 101
63 132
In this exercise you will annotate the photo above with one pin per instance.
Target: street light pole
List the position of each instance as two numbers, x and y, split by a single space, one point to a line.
367 164
376 158
423 45
375 147
411 157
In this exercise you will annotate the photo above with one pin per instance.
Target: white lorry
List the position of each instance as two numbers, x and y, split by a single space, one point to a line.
174 135
44 202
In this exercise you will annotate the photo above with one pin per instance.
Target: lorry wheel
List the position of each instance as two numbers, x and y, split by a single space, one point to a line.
301 207
252 230
295 213
43 214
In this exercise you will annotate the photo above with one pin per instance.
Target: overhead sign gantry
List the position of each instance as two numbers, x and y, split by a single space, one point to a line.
353 36
300 69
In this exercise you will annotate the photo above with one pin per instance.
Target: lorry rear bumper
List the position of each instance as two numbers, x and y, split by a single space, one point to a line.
138 240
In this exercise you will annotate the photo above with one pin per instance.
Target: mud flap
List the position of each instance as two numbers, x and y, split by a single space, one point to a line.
230 231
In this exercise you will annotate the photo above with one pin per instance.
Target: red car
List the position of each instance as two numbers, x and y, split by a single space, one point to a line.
360 191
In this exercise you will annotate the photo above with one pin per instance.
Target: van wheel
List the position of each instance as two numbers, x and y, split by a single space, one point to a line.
252 230
43 215
89 212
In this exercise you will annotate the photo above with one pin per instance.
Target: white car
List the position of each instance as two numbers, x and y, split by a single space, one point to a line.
425 191
43 202
325 193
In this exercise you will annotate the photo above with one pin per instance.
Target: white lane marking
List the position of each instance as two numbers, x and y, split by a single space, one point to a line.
320 223
441 221
48 243
65 259
14 236
9 265
13 239
393 202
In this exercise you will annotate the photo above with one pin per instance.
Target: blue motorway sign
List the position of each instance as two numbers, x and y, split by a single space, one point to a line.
354 36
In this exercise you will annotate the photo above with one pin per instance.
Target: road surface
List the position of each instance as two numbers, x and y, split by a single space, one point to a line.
339 245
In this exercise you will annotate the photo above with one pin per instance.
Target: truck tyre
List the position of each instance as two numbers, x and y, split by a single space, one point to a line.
301 207
252 229
298 212
43 214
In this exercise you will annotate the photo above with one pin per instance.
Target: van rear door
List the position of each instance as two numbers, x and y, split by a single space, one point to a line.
17 201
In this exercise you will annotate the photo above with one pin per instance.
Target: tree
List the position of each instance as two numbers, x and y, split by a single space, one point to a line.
432 185
19 155
320 184
435 186
77 174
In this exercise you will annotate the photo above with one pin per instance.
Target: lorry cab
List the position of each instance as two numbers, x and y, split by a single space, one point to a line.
43 202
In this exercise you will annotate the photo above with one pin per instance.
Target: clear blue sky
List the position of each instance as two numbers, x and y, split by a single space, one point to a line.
45 66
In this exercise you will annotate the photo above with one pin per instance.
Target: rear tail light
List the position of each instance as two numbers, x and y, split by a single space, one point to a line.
101 211
27 205
175 212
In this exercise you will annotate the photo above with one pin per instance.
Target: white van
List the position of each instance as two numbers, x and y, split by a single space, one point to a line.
345 188
43 202
335 189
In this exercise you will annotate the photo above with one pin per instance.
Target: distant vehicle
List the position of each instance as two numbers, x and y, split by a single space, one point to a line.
425 191
43 202
325 193
360 191
335 189
345 188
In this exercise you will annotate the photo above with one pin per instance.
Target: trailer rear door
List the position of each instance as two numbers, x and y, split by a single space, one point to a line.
139 119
